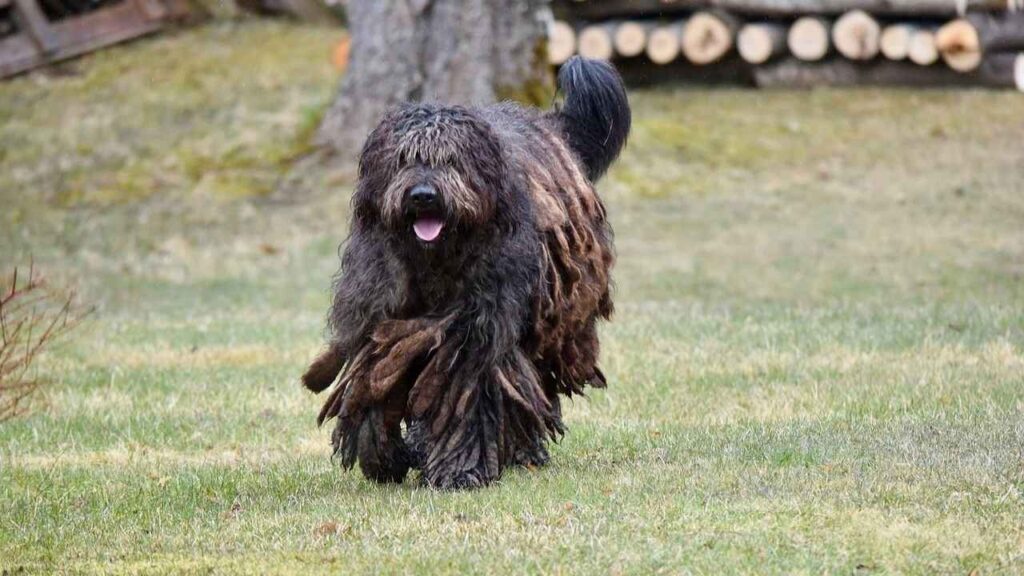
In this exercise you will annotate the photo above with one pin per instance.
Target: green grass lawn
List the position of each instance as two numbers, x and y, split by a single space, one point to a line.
817 364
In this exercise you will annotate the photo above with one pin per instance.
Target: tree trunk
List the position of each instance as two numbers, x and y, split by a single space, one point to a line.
453 51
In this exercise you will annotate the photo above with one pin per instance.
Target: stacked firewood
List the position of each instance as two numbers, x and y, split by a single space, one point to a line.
800 42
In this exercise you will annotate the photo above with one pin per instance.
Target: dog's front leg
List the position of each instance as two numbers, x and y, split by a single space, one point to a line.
462 448
459 401
370 399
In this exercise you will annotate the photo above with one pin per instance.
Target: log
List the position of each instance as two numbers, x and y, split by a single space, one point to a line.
595 42
922 48
997 72
1002 69
808 38
1018 72
664 43
959 45
964 41
561 42
856 35
759 43
707 37
895 41
630 38
604 9
680 72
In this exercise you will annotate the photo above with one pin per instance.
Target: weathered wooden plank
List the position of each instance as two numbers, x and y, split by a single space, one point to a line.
35 24
81 34
18 53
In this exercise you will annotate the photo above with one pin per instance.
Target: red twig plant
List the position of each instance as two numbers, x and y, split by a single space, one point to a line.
32 317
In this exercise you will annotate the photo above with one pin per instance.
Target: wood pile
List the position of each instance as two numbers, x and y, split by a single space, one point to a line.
800 43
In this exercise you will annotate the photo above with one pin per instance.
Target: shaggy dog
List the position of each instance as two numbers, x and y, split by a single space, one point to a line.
472 282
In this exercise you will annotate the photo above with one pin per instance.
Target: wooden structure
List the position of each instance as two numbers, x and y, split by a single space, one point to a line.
801 42
37 33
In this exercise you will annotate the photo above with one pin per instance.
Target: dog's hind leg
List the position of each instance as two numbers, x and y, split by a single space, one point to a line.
532 416
416 442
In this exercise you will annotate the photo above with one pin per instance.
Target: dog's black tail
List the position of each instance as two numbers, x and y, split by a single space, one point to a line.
596 114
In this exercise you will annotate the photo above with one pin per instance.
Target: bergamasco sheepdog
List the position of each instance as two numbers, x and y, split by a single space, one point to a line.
472 282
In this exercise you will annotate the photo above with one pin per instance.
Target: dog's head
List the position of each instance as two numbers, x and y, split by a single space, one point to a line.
430 173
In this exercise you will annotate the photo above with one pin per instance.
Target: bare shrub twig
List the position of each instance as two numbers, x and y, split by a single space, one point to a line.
32 317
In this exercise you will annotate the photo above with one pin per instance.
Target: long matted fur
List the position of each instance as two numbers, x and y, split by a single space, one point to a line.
472 282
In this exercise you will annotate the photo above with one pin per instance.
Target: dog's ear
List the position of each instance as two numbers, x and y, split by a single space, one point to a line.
324 370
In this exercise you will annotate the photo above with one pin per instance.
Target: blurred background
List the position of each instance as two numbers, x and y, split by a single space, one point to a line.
817 363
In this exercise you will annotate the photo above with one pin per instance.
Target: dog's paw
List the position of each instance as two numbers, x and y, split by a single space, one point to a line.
394 474
464 480
385 468
324 370
383 456
532 457
416 443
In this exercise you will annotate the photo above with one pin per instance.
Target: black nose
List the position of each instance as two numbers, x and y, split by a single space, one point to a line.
422 196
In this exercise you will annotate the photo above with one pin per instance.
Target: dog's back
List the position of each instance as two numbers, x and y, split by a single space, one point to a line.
594 120
560 154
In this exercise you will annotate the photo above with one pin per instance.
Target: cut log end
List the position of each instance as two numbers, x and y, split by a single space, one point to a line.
1018 72
663 44
960 45
561 42
596 42
808 39
630 39
922 48
856 35
708 37
758 43
895 41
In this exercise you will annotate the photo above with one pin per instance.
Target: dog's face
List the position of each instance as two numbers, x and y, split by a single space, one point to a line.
430 174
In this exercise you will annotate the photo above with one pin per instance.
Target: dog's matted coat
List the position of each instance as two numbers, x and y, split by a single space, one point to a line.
475 273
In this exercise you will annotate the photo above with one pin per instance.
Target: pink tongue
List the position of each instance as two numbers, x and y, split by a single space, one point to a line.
428 228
